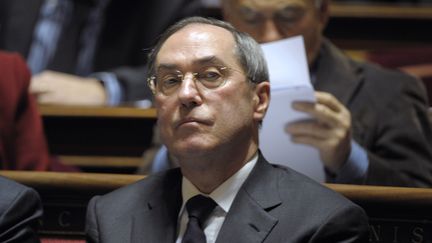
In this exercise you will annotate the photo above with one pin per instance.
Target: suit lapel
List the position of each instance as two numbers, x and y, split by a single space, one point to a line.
336 74
157 222
248 219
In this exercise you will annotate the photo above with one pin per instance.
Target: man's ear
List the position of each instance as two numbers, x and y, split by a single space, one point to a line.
261 100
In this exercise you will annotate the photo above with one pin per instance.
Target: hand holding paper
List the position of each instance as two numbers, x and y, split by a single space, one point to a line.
313 134
329 131
289 80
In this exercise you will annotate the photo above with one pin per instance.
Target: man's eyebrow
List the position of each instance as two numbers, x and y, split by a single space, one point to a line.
167 66
208 60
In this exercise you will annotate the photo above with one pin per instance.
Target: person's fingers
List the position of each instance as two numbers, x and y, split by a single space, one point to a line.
329 101
38 86
310 128
46 98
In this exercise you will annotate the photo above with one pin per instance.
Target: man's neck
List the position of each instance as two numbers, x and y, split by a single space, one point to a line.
208 173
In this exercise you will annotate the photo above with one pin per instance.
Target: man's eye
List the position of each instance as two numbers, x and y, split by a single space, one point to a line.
209 76
289 15
171 81
250 16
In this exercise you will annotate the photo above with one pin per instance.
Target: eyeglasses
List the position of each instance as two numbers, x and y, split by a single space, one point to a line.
168 81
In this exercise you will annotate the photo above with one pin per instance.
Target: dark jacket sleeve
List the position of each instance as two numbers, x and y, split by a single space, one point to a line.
345 225
20 213
402 154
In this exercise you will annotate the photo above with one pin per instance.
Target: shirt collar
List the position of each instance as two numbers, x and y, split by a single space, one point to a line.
224 194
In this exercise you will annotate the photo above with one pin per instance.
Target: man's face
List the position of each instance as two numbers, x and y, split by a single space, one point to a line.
194 119
271 20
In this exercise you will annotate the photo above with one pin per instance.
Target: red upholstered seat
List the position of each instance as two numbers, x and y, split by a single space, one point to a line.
416 61
60 240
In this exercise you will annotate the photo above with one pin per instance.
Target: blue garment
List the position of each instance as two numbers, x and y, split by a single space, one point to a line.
53 19
161 161
53 15
354 169
89 38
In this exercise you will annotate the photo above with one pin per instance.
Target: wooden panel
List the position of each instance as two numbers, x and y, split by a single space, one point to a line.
396 214
101 132
65 197
96 111
102 161
380 10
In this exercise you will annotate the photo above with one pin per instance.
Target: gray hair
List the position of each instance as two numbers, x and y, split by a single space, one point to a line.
247 50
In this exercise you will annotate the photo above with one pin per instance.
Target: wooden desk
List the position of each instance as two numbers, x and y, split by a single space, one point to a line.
92 111
396 214
372 26
95 138
380 10
65 197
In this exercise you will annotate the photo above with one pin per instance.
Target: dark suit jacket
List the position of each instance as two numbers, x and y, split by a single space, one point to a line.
389 116
274 205
20 212
22 141
130 27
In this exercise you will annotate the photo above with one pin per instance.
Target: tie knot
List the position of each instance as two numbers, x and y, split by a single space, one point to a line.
200 207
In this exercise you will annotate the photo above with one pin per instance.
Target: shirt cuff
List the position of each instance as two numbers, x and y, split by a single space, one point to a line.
112 87
355 169
161 161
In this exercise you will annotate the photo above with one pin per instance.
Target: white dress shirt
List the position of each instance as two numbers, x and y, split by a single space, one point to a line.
223 196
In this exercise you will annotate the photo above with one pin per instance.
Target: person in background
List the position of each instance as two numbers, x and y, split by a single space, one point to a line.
87 52
22 140
20 212
371 124
211 90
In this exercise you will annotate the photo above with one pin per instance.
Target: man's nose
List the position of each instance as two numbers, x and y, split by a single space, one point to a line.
270 32
188 92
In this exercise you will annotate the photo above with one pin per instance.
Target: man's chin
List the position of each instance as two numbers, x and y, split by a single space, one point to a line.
194 149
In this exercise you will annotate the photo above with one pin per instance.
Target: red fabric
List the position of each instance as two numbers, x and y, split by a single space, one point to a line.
416 61
396 58
22 139
60 240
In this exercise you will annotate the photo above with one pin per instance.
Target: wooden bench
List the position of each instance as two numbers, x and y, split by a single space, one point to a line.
396 214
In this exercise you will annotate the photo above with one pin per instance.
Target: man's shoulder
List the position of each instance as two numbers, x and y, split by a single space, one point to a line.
292 184
307 195
297 195
144 189
377 74
11 191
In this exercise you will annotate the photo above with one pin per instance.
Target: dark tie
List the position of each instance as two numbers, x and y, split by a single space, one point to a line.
199 208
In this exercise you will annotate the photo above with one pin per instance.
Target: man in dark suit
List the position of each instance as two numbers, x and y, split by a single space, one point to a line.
371 124
20 212
211 93
87 52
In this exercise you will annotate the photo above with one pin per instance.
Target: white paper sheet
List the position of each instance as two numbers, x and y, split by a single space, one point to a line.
289 80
